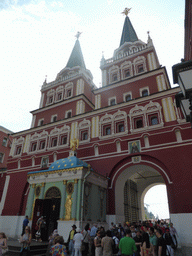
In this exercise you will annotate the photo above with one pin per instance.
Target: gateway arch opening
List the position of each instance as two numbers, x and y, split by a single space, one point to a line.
156 202
130 189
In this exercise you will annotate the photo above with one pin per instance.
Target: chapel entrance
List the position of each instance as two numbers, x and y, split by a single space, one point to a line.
131 186
49 208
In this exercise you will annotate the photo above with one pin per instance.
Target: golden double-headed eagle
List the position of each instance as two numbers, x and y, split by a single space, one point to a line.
126 11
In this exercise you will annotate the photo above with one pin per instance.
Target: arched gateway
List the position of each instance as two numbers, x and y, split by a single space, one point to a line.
129 182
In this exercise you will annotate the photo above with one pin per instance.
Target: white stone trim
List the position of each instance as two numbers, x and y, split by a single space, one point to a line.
4 193
33 121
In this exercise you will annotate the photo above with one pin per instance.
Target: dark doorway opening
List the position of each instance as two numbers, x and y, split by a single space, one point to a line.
50 209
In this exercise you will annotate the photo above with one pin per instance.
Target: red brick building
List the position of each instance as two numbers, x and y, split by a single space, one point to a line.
5 146
129 130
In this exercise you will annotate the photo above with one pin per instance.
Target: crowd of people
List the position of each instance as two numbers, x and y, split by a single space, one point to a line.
131 239
135 239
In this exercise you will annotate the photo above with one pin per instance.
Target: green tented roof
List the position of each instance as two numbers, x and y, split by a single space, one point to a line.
128 34
76 57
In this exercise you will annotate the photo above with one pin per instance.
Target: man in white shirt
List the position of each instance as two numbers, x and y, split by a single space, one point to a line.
77 240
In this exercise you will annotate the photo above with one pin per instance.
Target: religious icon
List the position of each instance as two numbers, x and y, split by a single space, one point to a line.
134 147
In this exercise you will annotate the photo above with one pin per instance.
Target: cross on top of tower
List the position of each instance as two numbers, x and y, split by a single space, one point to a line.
78 34
126 11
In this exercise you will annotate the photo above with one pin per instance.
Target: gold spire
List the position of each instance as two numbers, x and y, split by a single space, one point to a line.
126 11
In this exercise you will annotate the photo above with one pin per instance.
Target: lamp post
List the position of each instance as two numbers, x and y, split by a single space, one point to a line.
182 74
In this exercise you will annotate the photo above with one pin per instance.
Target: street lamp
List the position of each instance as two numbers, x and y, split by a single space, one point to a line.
182 74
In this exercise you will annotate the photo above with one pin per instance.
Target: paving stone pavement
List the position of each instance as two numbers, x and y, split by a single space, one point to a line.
184 251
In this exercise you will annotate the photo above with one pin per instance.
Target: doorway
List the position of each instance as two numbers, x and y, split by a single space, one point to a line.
49 208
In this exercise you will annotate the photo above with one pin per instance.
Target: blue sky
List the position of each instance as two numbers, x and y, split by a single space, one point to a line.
37 38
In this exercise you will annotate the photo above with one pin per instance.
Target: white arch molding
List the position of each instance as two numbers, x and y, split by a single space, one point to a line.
142 161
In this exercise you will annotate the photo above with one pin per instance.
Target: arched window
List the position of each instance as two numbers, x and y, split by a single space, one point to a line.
106 126
120 122
114 74
139 65
126 70
50 96
68 90
84 131
145 93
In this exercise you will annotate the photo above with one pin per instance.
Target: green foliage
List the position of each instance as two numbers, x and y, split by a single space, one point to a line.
149 215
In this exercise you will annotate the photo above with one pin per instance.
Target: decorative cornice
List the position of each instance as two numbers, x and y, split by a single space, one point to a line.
53 172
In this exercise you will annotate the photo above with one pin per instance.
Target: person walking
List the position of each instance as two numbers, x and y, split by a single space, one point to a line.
127 244
70 240
161 245
25 240
93 233
107 244
25 224
77 240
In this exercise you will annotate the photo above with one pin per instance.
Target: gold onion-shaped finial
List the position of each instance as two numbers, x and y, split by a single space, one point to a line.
126 11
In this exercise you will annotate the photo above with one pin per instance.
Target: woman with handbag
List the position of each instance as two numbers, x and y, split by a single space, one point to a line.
26 241
3 243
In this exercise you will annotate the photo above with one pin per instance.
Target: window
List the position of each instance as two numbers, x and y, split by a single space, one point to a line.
50 99
69 114
120 128
54 142
54 118
59 96
127 73
40 123
44 161
5 142
128 97
107 130
34 146
114 77
63 140
42 144
18 150
140 68
112 102
84 136
145 93
154 120
69 93
139 123
1 157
